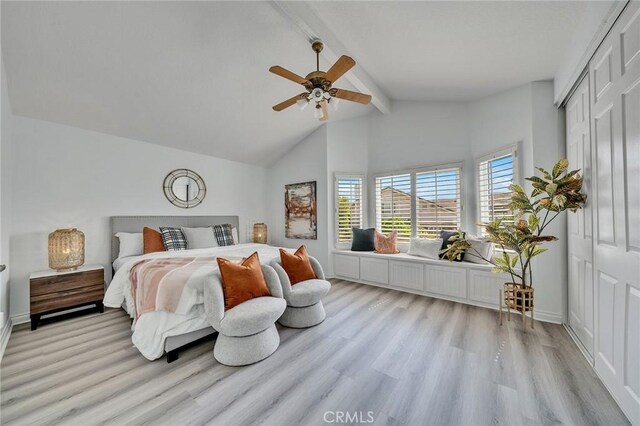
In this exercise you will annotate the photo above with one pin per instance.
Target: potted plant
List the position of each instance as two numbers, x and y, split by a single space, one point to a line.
521 239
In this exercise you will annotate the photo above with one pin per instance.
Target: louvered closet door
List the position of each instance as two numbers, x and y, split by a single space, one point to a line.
615 129
580 224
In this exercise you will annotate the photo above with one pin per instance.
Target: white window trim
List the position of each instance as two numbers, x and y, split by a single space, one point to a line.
346 175
508 150
412 173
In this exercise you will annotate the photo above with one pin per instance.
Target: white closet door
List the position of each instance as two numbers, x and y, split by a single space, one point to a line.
580 224
615 129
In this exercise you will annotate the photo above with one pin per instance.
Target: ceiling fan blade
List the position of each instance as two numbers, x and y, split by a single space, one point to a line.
348 95
278 70
325 111
342 65
289 102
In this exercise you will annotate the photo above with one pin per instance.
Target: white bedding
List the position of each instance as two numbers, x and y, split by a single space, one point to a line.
151 329
121 261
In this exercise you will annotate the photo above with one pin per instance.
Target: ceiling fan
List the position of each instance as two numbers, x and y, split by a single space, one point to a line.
319 86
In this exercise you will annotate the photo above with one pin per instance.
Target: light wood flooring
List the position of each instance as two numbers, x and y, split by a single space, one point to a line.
407 359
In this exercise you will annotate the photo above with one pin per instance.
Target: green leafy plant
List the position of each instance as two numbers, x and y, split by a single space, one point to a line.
403 226
521 240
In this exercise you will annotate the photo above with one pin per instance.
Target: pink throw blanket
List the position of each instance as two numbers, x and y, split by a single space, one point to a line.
157 284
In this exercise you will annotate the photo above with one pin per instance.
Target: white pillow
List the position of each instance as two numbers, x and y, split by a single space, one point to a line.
131 244
234 234
479 247
425 248
199 238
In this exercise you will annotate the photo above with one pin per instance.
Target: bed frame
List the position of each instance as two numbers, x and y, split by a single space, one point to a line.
172 344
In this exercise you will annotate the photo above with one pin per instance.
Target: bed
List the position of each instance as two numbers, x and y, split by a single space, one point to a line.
159 332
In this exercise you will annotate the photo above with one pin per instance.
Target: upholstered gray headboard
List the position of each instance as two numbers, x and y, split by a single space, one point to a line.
136 223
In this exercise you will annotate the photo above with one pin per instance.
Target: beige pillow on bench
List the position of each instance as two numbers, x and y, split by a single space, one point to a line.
479 246
425 248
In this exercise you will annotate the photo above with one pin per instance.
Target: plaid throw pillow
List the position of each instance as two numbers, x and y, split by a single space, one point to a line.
173 238
223 234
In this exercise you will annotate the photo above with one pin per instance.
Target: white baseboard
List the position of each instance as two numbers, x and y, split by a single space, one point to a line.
591 363
20 319
4 337
544 316
579 344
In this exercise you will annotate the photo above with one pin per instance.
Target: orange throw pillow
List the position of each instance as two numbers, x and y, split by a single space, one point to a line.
387 244
152 241
242 282
297 265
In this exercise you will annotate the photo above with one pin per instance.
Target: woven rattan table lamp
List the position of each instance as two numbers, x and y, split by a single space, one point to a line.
66 249
260 233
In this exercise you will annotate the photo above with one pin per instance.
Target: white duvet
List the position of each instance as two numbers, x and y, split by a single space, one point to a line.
152 329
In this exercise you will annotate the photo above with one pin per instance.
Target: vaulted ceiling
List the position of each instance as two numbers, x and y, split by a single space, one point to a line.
457 50
194 75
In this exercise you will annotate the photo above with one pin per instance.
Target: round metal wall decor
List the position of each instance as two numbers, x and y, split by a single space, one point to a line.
184 188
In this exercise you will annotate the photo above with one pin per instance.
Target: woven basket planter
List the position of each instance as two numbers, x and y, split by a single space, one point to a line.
517 298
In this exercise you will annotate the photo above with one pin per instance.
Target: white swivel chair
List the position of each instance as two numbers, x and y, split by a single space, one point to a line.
304 299
247 332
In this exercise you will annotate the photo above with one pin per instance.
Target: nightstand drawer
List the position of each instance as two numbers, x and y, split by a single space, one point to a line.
54 291
66 298
53 284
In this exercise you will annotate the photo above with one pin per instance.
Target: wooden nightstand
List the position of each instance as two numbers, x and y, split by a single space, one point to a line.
53 291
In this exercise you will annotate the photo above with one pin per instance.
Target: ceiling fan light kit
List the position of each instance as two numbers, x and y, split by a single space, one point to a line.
319 86
317 113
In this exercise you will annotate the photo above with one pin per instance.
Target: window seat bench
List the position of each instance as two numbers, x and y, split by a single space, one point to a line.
464 282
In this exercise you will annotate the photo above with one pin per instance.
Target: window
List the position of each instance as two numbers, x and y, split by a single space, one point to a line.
421 202
349 206
393 205
437 201
495 173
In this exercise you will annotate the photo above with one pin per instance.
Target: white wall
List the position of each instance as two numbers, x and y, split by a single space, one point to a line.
70 177
527 116
306 162
548 142
340 146
496 122
347 152
419 134
591 29
348 145
5 202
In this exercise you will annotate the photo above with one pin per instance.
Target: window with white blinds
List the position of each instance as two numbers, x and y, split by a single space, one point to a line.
349 205
420 203
393 205
437 201
495 173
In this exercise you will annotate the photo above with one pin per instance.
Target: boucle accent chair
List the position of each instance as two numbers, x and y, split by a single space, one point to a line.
247 332
304 299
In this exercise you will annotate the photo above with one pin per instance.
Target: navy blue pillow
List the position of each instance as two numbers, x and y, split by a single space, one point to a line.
446 236
363 239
